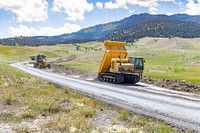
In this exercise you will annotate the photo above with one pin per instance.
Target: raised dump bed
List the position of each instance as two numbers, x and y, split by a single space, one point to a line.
112 50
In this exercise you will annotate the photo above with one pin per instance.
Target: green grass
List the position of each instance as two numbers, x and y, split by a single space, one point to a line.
189 74
39 98
27 98
9 98
86 66
165 61
16 53
43 99
22 129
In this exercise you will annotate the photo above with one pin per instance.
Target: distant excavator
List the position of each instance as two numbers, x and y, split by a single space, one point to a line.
40 62
117 68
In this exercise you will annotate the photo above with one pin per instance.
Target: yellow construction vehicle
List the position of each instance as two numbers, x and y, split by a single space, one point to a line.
41 62
117 68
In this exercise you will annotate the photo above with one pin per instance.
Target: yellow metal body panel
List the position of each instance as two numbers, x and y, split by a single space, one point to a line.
117 63
112 50
45 63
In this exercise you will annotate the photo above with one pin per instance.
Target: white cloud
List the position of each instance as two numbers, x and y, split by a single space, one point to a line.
147 3
193 8
150 4
47 31
153 10
26 10
181 5
117 4
131 11
169 1
75 9
144 3
22 30
111 5
99 5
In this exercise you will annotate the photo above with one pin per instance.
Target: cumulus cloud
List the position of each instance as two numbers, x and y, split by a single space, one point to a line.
174 1
144 3
111 5
153 10
75 9
117 4
150 4
131 11
99 5
26 10
47 31
192 7
123 3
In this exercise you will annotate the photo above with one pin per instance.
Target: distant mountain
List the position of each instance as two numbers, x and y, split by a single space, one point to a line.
156 28
98 31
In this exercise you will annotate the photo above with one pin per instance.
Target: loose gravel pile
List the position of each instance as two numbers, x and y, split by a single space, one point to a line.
172 84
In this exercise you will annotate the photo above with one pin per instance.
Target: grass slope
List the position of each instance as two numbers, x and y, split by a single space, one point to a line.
176 59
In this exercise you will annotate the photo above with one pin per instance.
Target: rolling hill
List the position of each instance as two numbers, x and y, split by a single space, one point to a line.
98 31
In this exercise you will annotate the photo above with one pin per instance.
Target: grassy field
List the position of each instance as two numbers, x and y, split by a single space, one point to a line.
29 104
175 59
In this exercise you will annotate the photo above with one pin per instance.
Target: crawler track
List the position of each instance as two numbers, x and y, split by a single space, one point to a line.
176 108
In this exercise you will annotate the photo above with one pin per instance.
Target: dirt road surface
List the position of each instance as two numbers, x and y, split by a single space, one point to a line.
179 109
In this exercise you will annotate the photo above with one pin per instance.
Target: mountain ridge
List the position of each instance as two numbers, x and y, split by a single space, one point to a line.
156 28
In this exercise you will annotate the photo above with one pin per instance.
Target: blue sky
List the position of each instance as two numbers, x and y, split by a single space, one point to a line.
55 17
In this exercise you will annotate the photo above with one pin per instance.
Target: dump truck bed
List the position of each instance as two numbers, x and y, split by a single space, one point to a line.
112 50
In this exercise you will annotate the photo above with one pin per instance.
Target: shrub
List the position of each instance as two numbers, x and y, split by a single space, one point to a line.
28 114
22 129
89 113
179 69
123 114
51 107
151 128
9 98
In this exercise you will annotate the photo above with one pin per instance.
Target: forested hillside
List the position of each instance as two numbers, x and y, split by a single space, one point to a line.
156 28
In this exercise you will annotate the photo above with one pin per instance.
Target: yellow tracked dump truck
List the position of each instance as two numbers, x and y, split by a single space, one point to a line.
117 68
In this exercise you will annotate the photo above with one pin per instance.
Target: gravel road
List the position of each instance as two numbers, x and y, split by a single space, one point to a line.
179 109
